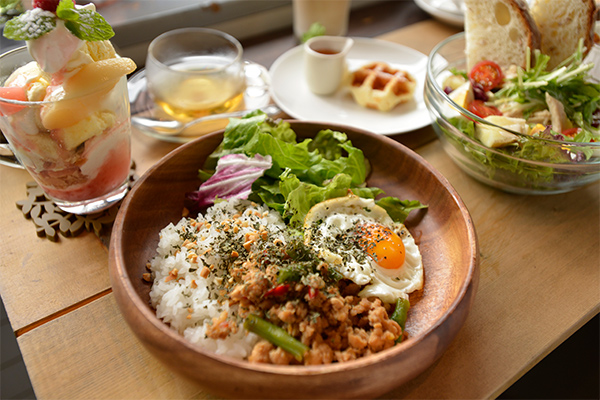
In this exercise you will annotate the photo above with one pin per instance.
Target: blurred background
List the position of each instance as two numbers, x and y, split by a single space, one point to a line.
137 22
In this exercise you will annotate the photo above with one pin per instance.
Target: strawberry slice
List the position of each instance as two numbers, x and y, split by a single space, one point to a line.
48 5
11 93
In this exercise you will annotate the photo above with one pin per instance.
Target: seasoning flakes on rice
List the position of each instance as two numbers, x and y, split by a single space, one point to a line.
239 260
201 251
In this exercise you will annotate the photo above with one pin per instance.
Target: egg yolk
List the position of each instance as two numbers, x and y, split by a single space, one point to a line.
383 245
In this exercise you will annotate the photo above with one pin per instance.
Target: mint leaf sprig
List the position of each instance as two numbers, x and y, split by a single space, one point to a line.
10 9
30 25
84 24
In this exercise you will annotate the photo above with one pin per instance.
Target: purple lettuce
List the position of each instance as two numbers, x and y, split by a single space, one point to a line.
233 179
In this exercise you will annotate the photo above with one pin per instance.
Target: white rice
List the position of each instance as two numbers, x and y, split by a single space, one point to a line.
190 310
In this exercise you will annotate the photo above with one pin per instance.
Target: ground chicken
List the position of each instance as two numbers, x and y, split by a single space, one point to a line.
280 356
330 319
221 327
358 338
260 352
319 353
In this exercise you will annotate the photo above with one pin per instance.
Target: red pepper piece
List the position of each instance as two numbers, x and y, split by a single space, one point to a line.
279 290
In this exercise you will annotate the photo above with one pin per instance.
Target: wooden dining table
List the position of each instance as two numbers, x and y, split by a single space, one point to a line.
539 282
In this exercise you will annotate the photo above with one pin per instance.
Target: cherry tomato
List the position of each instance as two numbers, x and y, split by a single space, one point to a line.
488 74
479 108
570 132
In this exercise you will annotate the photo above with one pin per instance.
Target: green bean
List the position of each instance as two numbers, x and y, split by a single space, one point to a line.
276 335
400 313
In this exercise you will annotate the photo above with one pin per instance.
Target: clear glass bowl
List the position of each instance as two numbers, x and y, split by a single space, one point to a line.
577 164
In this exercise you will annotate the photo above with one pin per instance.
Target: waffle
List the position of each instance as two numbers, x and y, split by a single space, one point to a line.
381 87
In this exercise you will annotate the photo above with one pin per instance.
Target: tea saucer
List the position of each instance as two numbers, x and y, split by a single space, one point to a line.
290 91
256 96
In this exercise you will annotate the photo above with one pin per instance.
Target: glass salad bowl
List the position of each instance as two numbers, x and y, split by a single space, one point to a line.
529 165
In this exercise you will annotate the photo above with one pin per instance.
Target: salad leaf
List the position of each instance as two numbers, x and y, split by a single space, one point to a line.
462 73
301 196
567 83
493 163
233 178
524 94
326 144
302 173
239 132
310 162
399 209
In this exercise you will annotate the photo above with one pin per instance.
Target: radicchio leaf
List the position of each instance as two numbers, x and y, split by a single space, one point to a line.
233 179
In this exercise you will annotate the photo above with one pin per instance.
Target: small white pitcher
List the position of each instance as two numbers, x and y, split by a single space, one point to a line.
325 63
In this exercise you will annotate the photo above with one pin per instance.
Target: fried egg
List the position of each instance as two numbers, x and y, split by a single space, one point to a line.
360 239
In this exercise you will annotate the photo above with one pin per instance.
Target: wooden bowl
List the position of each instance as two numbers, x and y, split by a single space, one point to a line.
444 233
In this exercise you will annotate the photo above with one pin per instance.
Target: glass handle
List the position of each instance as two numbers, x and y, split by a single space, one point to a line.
257 79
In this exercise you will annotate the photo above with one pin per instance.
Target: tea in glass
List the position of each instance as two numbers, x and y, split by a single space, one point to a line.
193 72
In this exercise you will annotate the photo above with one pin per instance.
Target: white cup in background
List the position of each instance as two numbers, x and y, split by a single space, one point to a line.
332 14
459 5
325 63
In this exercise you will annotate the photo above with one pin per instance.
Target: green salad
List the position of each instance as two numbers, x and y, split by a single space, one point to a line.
262 160
550 117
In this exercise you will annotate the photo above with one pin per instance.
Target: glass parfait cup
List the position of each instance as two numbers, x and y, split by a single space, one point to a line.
78 148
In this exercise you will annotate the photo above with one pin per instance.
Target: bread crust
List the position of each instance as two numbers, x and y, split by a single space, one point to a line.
592 15
534 35
482 26
562 23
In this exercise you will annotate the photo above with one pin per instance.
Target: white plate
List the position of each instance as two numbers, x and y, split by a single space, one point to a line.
290 91
444 10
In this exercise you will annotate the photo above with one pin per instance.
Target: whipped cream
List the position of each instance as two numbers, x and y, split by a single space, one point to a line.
54 50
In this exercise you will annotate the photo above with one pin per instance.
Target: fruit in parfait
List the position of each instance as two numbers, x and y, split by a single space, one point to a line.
73 132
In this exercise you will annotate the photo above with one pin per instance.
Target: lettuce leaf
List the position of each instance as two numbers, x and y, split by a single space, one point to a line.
399 209
301 196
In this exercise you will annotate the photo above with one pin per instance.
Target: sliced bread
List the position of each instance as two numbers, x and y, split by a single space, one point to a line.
499 30
562 23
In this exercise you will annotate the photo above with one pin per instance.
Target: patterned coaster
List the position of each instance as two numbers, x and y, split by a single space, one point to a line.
49 220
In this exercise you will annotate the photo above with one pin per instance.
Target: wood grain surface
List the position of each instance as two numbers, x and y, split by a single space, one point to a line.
539 282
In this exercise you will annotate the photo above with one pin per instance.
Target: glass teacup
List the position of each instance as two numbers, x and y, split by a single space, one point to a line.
194 72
